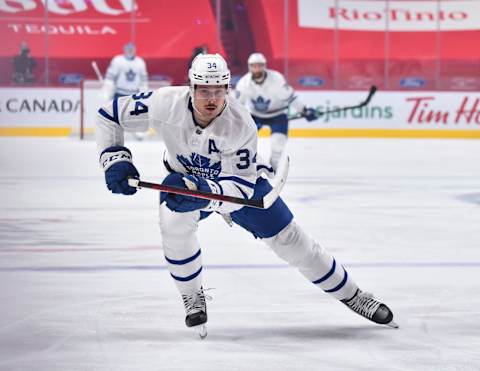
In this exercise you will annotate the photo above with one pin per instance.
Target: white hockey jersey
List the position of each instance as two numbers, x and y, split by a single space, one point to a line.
128 76
268 99
224 151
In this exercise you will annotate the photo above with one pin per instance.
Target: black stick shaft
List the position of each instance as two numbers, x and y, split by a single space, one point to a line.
202 194
371 93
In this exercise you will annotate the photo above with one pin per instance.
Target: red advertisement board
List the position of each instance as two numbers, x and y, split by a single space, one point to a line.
73 33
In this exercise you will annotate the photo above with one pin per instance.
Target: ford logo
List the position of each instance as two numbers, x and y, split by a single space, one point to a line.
311 81
412 82
70 78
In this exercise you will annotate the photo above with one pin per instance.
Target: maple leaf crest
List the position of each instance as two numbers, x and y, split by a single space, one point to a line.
130 75
200 165
261 104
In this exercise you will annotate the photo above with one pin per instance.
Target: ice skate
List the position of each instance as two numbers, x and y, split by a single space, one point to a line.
367 306
196 312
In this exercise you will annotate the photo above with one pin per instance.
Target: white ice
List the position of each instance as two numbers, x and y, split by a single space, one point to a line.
83 284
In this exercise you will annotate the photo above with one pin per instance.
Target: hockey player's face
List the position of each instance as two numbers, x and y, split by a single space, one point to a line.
209 100
257 70
129 51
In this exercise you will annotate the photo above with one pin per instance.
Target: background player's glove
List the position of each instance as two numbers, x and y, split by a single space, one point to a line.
182 203
117 164
310 114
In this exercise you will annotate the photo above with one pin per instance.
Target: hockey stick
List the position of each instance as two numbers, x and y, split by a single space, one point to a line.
263 203
97 71
371 92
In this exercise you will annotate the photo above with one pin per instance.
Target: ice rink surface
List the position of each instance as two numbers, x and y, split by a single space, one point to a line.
83 284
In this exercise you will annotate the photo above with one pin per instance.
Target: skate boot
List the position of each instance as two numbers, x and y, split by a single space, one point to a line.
196 312
367 306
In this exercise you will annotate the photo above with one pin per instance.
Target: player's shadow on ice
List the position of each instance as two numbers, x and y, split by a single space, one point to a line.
247 334
300 333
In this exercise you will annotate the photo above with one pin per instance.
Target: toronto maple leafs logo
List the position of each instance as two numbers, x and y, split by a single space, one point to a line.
260 104
200 165
130 75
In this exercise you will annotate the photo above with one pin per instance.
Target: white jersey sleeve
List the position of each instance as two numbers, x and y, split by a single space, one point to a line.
114 68
128 113
241 91
143 75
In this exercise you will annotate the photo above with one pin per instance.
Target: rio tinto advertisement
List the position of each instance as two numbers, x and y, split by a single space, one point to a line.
394 15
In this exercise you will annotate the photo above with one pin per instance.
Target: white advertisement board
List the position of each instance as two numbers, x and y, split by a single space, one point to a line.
395 110
39 107
372 15
408 111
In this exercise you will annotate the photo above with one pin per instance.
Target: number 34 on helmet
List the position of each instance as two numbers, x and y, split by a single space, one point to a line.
209 69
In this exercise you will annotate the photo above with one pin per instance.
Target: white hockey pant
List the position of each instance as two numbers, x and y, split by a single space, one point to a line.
181 248
294 246
278 142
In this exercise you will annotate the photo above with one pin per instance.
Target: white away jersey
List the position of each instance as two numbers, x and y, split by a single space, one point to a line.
270 98
128 75
224 151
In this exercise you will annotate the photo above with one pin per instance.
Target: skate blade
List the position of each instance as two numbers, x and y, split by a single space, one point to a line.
392 324
202 331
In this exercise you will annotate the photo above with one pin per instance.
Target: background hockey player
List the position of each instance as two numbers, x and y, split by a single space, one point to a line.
268 97
211 146
126 75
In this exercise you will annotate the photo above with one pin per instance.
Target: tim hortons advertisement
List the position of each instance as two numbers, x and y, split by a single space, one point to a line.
371 15
395 110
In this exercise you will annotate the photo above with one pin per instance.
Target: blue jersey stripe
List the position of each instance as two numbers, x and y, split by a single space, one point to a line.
341 284
237 180
113 118
188 278
241 191
327 276
184 261
260 167
221 190
220 186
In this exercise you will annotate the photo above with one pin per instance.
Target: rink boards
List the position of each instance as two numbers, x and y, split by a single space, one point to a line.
397 114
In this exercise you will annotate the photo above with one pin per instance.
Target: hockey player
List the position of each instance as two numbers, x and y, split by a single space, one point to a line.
268 97
126 75
211 145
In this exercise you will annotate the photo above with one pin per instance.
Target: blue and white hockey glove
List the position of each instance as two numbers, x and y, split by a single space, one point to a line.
184 204
117 164
310 114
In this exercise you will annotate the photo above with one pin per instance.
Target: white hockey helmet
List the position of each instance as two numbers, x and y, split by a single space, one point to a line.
209 69
257 58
